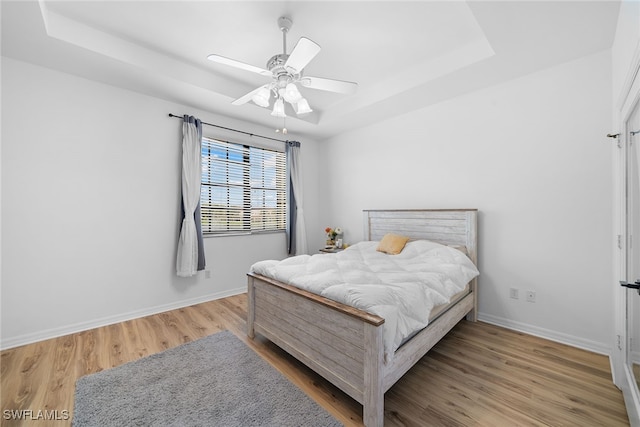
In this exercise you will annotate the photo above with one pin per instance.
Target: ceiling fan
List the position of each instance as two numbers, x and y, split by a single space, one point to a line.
286 71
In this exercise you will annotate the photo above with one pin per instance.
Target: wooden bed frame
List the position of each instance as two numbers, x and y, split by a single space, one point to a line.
344 344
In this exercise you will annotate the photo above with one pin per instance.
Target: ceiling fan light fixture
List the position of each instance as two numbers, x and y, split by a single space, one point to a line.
292 94
302 107
278 108
262 97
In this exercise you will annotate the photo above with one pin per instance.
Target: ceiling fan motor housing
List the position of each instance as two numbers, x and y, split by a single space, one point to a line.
280 73
276 63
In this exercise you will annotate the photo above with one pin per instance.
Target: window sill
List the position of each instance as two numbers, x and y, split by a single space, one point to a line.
241 233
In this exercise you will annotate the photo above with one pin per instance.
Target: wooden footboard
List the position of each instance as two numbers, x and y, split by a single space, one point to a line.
328 337
342 344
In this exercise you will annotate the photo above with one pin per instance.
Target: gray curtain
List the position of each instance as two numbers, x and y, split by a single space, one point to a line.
296 230
190 256
291 205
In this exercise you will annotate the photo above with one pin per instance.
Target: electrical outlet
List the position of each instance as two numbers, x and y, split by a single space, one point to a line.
513 293
531 296
207 274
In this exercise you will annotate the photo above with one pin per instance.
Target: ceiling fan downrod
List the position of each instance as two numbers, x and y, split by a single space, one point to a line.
284 24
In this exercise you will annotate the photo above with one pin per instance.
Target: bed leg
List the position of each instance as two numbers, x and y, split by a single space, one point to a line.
472 316
373 402
251 303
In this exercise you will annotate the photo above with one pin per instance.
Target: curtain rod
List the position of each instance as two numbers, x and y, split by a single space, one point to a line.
234 130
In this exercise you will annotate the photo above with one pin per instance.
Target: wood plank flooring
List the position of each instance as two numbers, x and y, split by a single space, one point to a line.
478 375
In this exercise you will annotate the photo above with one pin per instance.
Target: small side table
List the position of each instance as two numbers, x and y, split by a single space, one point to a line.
331 250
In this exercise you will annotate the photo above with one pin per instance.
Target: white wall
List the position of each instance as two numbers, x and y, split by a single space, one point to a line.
531 155
90 206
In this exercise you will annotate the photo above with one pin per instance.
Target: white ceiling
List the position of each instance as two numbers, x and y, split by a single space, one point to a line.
404 55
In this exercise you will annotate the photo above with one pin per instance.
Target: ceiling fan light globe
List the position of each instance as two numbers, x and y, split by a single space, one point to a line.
278 108
302 107
292 94
262 97
261 102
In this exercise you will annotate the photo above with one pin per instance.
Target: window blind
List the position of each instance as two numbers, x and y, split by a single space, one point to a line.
243 188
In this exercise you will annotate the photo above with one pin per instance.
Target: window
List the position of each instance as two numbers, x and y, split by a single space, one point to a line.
243 188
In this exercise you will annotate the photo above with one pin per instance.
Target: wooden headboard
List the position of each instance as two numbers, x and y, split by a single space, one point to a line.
445 226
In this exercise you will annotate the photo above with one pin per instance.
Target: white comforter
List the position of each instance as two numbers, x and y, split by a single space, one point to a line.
401 288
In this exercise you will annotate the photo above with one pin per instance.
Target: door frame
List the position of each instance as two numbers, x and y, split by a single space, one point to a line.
622 376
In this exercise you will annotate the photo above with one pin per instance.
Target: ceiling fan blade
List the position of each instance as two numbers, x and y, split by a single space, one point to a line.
246 98
303 52
233 63
330 85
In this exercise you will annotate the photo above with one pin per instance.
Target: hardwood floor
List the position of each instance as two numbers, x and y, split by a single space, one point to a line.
478 375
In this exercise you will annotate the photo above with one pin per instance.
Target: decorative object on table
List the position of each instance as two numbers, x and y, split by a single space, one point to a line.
212 381
332 235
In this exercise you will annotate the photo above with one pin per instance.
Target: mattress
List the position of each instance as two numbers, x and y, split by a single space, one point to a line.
439 309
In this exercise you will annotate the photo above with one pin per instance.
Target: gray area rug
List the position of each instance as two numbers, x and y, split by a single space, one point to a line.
213 381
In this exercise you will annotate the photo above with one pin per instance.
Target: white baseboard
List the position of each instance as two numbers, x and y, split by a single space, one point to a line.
589 345
7 343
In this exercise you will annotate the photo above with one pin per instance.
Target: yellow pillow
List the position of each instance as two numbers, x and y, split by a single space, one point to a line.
392 244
